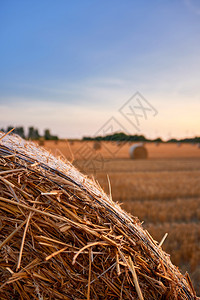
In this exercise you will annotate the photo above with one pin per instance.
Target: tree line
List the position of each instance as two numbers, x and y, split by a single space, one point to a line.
122 137
32 133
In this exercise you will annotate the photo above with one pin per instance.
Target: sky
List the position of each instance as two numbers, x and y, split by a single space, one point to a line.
88 67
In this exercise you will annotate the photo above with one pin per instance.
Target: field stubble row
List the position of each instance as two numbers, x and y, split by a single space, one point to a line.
160 211
163 191
165 194
151 185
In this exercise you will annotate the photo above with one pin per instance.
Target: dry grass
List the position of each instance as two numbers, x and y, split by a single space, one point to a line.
62 237
179 210
165 194
152 185
112 150
163 191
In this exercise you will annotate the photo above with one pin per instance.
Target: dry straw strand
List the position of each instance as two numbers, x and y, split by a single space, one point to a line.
62 237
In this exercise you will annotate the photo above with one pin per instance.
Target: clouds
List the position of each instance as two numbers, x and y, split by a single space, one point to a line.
98 100
71 67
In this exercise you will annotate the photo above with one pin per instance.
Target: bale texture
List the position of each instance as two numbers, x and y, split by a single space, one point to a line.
138 151
62 237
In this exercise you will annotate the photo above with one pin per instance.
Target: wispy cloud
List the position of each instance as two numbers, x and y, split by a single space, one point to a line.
180 105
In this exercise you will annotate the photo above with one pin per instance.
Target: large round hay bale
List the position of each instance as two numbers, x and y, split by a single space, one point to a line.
62 237
138 151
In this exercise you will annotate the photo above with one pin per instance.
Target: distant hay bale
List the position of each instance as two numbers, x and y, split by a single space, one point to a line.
138 151
41 141
62 237
97 146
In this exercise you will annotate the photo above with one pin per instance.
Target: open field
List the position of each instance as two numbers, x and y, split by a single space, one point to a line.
163 191
84 150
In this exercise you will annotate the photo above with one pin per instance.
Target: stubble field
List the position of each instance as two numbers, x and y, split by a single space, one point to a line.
162 191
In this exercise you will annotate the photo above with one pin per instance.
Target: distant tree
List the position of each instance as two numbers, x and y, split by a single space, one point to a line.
54 137
87 138
33 133
20 131
119 136
158 140
47 134
37 135
9 128
172 140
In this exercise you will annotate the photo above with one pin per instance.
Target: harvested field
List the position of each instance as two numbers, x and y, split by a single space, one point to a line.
62 237
110 150
164 189
165 194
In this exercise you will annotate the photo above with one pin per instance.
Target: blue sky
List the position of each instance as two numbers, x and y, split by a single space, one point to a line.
70 65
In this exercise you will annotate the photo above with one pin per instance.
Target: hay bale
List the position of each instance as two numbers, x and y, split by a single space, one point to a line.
41 141
97 146
62 237
138 151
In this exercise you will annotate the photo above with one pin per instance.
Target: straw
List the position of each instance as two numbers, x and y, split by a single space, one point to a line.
62 237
